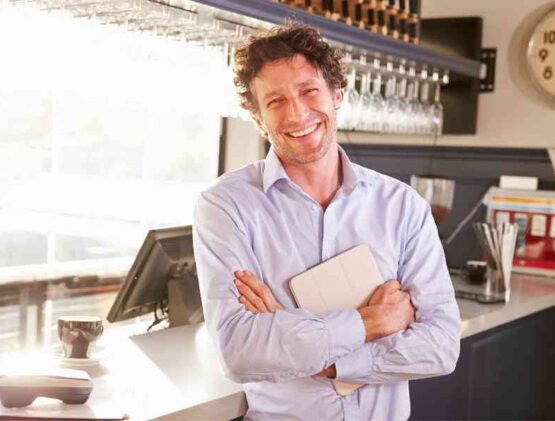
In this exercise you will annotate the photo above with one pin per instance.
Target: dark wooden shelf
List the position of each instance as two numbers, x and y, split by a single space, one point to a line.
350 36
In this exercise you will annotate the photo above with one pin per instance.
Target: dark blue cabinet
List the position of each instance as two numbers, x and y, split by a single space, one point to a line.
506 373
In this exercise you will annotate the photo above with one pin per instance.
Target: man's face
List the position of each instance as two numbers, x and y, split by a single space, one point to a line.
297 109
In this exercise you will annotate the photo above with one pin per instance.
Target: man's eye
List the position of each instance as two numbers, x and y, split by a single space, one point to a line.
273 102
311 91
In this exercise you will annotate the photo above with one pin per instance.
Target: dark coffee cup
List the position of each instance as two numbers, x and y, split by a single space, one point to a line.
78 334
476 272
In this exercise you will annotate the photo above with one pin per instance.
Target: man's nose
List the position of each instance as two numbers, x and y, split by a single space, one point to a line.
297 109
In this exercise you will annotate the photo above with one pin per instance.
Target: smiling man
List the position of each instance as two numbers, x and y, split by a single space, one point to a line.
259 226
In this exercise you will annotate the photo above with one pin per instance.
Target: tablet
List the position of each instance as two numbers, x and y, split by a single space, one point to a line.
342 282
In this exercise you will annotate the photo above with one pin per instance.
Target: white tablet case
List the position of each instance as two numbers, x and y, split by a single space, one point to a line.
342 282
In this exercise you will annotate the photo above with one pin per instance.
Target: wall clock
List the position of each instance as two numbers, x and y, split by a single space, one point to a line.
541 56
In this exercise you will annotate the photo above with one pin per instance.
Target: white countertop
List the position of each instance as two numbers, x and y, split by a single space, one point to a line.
171 374
174 374
529 294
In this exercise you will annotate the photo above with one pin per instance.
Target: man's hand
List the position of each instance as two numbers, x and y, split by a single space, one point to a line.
255 294
389 310
257 298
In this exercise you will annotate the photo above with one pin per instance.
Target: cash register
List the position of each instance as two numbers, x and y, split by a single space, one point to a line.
162 281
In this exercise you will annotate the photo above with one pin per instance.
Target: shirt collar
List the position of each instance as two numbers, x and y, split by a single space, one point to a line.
352 174
273 170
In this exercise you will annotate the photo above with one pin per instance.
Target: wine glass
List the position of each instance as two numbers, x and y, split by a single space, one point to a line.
412 101
343 111
345 115
437 108
377 104
352 98
391 101
403 103
424 119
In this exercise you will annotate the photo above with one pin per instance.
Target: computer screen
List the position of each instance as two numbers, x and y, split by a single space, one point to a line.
166 256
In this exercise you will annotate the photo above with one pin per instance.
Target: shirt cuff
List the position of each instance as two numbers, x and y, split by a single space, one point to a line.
357 366
345 331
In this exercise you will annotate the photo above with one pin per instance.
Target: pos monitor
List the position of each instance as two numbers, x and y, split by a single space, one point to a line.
162 279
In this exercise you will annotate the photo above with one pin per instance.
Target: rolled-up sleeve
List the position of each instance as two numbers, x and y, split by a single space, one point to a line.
430 346
264 347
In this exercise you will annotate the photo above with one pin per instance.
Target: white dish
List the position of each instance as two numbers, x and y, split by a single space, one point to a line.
79 362
99 352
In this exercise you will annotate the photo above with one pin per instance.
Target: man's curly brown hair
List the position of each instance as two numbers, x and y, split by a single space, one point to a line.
283 42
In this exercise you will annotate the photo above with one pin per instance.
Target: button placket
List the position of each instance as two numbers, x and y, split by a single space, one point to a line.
313 212
327 233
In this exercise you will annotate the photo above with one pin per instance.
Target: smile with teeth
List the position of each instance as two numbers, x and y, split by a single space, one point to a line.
304 132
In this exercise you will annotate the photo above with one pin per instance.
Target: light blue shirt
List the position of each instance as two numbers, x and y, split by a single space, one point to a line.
257 219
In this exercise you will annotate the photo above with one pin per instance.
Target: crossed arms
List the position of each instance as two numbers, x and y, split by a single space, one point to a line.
388 311
376 344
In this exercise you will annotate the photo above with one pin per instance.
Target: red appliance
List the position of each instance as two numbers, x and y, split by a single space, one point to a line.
534 213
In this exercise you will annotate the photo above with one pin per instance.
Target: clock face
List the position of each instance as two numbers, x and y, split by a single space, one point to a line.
541 55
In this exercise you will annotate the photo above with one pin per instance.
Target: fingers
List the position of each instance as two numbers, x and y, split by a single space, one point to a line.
402 296
388 287
392 285
414 310
249 287
409 309
386 293
250 280
250 296
256 292
248 305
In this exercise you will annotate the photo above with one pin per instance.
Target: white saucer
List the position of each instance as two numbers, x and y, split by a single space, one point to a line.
79 362
98 353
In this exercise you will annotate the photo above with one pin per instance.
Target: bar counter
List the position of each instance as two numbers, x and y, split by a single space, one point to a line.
529 294
175 373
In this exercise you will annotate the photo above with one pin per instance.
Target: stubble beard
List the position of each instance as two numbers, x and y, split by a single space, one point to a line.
291 157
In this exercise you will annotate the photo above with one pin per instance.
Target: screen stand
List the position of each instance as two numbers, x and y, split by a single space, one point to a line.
184 304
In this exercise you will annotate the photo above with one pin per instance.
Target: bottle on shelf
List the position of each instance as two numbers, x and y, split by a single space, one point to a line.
386 17
413 22
391 11
382 25
403 16
317 7
372 23
352 6
358 21
414 7
345 15
363 8
332 9
327 6
412 31
391 18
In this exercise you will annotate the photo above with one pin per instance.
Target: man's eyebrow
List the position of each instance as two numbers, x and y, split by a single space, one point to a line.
298 85
270 94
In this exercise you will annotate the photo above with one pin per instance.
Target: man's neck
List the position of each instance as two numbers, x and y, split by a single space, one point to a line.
320 179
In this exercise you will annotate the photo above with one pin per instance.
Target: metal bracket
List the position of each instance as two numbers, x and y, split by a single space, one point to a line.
488 57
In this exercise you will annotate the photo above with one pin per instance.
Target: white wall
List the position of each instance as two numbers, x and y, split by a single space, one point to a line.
515 115
243 144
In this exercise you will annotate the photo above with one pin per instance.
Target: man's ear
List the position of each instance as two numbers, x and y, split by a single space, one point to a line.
259 123
337 98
